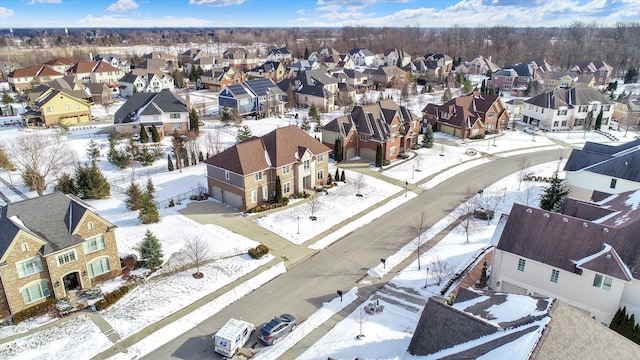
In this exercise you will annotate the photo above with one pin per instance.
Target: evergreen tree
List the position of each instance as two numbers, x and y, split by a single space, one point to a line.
337 175
337 150
93 153
617 319
151 251
342 178
148 209
446 95
200 156
244 133
225 115
151 189
379 155
430 89
155 136
194 120
90 183
145 156
629 77
306 126
169 163
278 196
7 100
599 120
554 195
66 184
134 195
427 140
314 115
306 52
144 137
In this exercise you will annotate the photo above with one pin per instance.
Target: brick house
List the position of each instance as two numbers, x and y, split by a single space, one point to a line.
217 79
385 123
244 175
51 247
468 116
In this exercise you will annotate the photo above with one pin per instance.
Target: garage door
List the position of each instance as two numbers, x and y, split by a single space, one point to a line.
514 289
368 154
216 193
351 153
232 199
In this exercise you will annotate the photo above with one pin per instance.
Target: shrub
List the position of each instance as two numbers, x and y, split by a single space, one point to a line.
30 312
385 162
112 297
476 137
258 251
172 203
268 206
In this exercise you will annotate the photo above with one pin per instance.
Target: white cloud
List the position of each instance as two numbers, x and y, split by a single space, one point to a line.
121 21
45 2
216 2
301 11
4 12
123 5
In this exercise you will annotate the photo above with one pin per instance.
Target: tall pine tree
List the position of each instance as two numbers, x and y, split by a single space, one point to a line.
379 155
337 150
554 195
151 251
427 141
148 212
90 183
144 137
155 136
278 197
169 163
134 196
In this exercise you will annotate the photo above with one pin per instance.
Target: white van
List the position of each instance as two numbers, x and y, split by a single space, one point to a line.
232 336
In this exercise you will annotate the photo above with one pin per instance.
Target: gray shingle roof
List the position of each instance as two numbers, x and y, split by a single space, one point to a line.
622 161
162 102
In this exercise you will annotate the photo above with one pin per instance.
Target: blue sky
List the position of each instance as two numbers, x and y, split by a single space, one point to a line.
305 13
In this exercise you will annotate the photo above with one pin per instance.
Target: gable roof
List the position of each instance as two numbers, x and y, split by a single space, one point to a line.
282 51
465 110
164 101
469 328
621 161
279 147
83 67
570 239
570 98
33 71
51 217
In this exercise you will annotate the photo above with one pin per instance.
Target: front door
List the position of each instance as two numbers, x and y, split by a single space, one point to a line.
71 282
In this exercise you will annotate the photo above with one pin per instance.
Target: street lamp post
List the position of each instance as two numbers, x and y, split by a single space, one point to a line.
406 188
298 225
426 282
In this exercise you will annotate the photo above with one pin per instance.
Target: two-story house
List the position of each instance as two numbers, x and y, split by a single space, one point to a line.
627 111
598 68
253 97
514 77
239 58
360 132
566 109
313 87
387 76
164 109
362 57
565 80
604 168
244 175
216 79
273 70
280 55
478 65
53 107
586 255
150 82
60 64
95 72
26 78
468 116
51 247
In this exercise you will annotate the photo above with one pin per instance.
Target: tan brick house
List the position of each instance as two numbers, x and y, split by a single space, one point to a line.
51 247
244 175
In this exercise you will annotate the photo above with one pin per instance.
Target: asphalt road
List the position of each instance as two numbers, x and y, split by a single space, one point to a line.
303 288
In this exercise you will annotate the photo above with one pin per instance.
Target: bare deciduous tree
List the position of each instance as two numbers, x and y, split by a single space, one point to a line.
528 193
212 141
440 269
523 166
489 203
40 159
417 230
197 250
314 204
361 315
463 214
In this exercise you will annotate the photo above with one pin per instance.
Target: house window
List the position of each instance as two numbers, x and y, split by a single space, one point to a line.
583 108
93 244
49 108
226 175
35 291
254 196
475 131
562 112
25 247
491 115
286 188
29 267
392 150
613 183
176 126
521 263
98 267
77 106
603 282
606 107
66 257
320 175
68 107
320 158
363 137
174 116
286 169
307 164
257 176
265 193
554 275
90 225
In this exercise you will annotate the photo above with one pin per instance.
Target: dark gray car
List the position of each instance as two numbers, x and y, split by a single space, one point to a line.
279 326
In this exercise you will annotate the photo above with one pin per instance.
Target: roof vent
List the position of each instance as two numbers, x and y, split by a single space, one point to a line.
608 256
584 224
605 230
564 220
529 211
546 215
